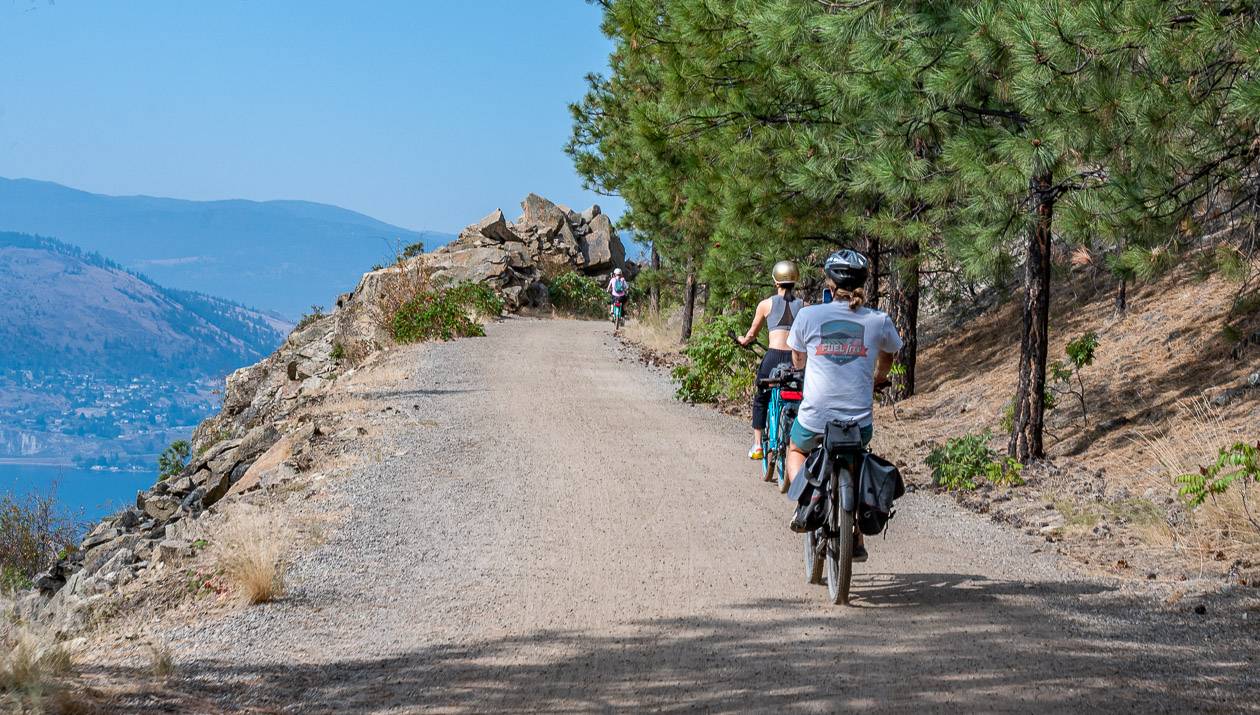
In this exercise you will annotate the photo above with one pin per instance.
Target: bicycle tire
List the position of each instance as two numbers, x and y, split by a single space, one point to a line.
839 557
784 440
813 559
769 443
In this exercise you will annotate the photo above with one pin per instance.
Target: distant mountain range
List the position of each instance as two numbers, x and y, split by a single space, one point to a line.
62 308
275 255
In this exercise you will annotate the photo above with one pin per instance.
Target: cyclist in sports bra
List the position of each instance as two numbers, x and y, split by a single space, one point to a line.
776 313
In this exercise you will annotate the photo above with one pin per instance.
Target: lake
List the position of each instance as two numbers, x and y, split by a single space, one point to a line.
82 493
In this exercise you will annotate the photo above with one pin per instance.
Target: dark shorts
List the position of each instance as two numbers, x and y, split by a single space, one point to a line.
761 398
806 440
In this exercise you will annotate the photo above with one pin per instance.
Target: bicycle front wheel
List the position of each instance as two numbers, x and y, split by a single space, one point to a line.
839 556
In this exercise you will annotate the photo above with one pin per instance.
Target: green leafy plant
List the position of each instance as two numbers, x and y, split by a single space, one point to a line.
174 459
445 314
338 352
1080 353
578 295
1237 463
316 313
962 461
716 367
411 251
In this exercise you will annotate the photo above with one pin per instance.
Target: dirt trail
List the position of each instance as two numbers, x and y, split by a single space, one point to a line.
545 528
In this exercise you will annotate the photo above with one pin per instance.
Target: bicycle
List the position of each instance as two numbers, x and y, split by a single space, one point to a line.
829 548
618 315
784 384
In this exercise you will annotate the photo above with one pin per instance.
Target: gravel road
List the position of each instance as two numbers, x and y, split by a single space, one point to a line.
540 526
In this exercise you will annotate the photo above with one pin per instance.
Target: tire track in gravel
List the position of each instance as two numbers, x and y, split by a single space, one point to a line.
540 526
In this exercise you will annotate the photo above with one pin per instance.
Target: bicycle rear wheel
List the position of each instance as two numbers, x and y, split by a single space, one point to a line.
839 557
769 443
785 430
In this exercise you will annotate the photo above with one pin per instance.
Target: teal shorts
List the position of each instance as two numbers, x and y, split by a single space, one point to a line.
806 440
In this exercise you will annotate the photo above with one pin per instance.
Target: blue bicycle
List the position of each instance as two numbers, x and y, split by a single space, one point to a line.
784 384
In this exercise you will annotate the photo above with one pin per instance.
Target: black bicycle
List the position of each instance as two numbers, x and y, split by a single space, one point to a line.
829 546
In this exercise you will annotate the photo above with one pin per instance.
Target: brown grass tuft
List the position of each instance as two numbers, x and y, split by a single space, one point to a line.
249 551
31 669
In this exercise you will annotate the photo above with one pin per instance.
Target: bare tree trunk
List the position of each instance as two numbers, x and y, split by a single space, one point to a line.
689 302
903 304
1122 299
1030 407
872 280
654 293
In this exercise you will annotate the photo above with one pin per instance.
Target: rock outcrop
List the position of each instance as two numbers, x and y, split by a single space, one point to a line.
517 258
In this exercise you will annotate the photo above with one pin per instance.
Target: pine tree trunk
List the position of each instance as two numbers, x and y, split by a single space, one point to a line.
1030 408
903 305
872 281
689 303
1122 299
654 293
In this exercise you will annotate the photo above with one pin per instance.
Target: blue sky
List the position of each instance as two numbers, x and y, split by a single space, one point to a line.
425 114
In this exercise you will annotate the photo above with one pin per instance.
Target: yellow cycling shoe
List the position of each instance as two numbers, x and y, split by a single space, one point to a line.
755 453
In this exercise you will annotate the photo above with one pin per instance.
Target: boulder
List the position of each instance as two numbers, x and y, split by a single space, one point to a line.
226 460
602 247
493 227
541 212
216 488
172 550
99 556
161 507
590 214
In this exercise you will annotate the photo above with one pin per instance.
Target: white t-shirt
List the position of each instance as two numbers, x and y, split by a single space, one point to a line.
842 346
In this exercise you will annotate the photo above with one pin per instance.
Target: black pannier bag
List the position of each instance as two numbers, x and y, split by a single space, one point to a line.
809 491
879 486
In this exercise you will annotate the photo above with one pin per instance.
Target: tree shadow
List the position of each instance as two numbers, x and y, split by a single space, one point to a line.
930 642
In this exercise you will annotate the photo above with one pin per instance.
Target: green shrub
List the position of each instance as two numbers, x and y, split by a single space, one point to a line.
1239 462
411 251
338 352
33 533
174 459
445 314
579 295
961 461
716 367
317 312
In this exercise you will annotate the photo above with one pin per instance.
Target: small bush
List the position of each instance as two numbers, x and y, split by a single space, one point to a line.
578 295
1236 464
317 313
33 533
249 552
173 460
338 352
411 251
962 461
445 314
717 367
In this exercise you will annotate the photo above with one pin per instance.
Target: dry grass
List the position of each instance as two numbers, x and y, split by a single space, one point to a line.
1221 529
249 551
400 284
659 332
32 672
161 661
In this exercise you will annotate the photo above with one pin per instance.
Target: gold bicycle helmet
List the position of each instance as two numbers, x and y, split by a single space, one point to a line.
786 272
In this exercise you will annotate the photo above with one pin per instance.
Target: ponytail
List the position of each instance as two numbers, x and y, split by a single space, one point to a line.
788 295
855 296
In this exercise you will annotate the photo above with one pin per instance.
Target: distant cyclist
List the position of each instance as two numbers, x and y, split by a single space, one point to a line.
618 288
846 349
776 313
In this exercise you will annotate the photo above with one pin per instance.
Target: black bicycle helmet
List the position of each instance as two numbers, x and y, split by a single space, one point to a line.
847 268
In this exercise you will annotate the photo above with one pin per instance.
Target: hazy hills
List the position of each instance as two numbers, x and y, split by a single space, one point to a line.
275 255
62 308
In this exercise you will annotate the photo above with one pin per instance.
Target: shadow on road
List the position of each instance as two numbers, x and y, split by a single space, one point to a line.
919 642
